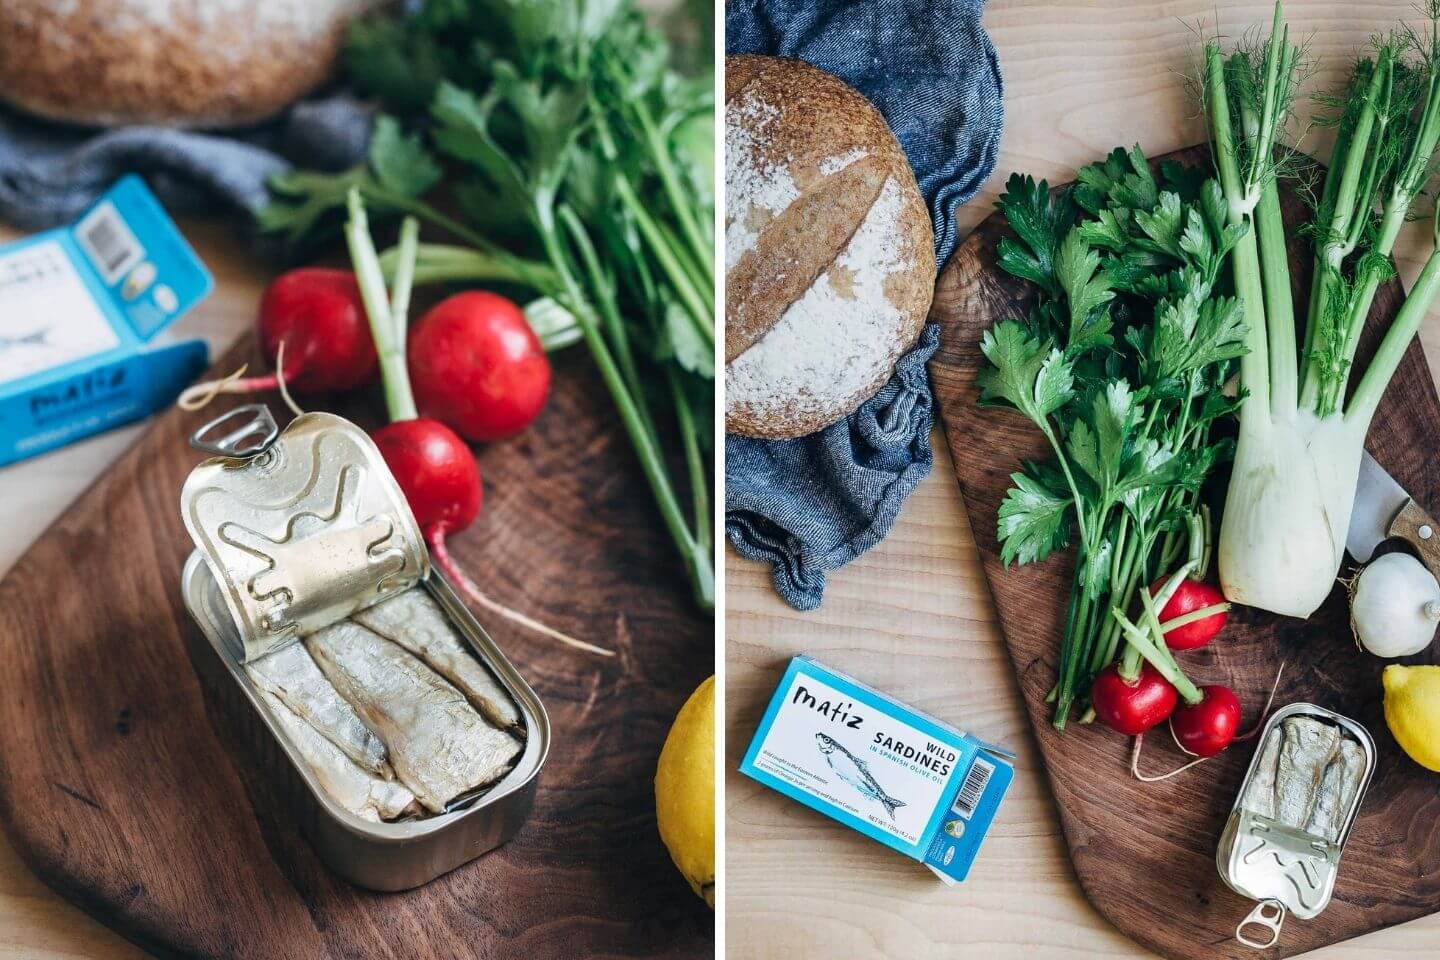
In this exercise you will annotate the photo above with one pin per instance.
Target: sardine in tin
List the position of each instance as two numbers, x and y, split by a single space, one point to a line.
295 531
1288 871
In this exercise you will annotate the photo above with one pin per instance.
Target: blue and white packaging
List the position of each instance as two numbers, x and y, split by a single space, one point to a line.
899 776
81 309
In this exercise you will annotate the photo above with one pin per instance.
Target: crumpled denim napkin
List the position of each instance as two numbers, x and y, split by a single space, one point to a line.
49 173
813 504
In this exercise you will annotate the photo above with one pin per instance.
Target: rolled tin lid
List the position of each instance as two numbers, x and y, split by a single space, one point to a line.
300 529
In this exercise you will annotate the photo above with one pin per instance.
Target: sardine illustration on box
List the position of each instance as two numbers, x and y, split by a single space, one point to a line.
854 771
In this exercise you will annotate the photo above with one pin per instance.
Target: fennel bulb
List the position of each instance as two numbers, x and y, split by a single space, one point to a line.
1291 489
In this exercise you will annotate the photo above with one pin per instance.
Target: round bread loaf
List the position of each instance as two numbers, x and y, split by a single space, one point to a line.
829 255
194 63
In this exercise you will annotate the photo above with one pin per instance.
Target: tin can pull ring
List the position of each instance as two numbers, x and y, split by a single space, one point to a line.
248 432
1269 914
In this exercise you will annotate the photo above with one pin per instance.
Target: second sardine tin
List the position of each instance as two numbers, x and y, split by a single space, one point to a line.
894 774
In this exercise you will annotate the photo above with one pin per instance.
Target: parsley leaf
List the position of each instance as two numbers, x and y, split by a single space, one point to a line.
401 163
1040 222
1026 373
1033 519
1087 290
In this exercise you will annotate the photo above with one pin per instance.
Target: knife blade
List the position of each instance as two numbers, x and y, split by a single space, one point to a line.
1378 501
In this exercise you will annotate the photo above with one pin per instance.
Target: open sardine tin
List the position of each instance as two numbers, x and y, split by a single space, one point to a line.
294 531
1287 870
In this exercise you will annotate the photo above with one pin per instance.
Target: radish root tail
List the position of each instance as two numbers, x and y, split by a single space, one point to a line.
447 564
1265 711
198 395
280 382
1135 764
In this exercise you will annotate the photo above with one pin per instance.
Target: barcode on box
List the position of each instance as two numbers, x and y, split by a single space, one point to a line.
973 788
108 242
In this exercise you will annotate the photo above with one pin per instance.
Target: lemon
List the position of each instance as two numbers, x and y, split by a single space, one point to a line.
685 791
1412 711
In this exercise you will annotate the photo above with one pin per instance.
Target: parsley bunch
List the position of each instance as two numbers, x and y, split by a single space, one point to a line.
575 163
1120 363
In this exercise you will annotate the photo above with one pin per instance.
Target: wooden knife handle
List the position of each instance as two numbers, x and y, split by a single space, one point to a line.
1417 528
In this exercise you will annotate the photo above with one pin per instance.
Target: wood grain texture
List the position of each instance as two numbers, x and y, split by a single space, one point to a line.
1119 829
132 798
914 615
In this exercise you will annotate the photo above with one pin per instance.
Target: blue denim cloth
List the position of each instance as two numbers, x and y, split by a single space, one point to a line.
813 504
49 173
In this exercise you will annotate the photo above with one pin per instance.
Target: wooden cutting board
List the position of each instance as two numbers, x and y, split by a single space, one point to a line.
133 798
1145 852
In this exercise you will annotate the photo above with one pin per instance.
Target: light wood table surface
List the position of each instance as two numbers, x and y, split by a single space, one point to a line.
914 616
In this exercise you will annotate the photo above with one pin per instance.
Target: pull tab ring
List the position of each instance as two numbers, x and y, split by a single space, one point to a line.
247 432
1269 914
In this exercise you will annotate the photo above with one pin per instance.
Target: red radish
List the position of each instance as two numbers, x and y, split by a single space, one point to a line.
313 320
1190 596
432 465
1132 707
1204 729
436 472
477 366
317 313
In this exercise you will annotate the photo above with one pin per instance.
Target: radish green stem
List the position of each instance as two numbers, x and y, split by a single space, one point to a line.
1195 561
404 279
518 268
1130 663
395 375
1185 619
442 263
1151 614
1166 593
1207 529
1160 661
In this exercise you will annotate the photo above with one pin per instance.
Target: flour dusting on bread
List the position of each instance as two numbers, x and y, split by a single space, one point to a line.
757 186
826 345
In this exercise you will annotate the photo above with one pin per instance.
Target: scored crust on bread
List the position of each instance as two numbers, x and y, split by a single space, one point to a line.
828 249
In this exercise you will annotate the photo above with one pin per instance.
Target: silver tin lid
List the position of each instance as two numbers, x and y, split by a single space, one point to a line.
300 529
1288 871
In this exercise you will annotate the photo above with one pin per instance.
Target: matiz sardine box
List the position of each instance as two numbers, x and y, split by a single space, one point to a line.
899 776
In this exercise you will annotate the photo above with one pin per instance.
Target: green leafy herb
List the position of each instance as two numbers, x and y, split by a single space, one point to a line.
1119 363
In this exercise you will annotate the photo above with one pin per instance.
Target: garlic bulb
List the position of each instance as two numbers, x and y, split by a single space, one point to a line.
1394 606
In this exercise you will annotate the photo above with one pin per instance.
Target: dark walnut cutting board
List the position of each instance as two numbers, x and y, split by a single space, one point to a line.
132 795
1145 852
